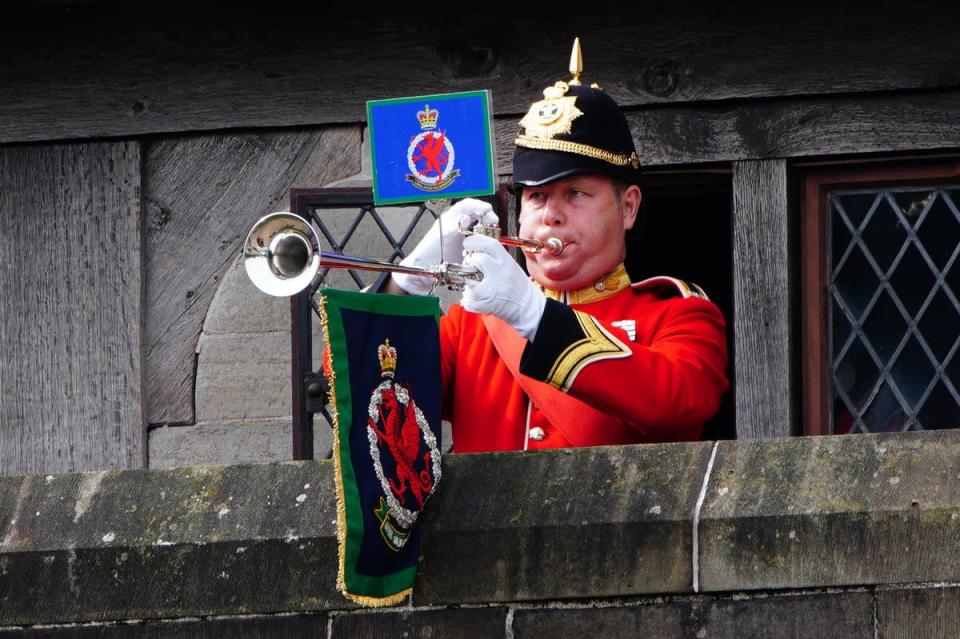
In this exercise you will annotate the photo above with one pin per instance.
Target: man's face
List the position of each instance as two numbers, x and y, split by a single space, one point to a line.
584 212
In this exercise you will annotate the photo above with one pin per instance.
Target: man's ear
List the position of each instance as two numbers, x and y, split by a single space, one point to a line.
629 205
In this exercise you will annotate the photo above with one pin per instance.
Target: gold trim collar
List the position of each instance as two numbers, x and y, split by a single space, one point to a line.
605 287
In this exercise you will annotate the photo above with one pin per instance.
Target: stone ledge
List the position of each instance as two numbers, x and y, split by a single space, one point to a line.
507 527
832 511
167 543
274 627
919 612
569 523
824 616
215 540
455 623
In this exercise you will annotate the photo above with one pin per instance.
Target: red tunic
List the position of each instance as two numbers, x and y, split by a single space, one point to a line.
651 355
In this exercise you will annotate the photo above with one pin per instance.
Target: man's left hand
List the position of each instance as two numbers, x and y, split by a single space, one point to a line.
505 290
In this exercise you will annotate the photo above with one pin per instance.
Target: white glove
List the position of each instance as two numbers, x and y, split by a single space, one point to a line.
505 290
427 253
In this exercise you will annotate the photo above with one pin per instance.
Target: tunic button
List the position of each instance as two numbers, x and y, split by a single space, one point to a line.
600 285
537 434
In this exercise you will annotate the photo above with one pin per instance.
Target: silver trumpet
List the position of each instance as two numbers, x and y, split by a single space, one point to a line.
282 256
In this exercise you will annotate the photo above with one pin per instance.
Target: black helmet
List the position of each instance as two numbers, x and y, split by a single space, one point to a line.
574 129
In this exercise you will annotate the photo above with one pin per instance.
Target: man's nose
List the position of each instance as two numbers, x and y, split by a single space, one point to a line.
552 215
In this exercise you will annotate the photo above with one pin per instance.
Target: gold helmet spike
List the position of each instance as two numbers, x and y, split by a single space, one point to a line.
576 63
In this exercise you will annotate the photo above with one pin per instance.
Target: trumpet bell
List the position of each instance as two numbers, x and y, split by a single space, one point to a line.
282 254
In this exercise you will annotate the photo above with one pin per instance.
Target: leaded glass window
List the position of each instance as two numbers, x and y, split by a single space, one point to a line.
894 308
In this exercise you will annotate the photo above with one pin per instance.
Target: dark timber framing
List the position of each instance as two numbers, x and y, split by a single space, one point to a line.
314 67
71 308
762 285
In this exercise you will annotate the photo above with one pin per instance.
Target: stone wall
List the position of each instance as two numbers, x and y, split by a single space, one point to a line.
842 537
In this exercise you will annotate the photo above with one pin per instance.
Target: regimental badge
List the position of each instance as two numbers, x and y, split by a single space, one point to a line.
404 451
430 156
554 115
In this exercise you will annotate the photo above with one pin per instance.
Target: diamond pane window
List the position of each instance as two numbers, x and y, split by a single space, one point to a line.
894 316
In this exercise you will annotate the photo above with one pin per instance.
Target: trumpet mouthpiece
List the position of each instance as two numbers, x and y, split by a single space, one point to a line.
553 245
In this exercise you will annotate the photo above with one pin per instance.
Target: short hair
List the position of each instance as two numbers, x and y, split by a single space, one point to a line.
619 188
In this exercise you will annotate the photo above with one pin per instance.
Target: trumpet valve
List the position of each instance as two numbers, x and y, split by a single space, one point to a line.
454 276
489 230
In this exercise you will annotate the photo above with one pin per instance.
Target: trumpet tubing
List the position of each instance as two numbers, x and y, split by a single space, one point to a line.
552 245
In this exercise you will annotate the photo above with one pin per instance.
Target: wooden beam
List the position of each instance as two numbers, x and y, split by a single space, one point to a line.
71 393
762 283
109 71
202 194
799 127
783 128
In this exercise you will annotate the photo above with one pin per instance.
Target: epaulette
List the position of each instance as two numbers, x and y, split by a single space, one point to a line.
670 286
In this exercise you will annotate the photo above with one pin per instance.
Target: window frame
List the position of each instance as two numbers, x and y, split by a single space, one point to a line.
816 182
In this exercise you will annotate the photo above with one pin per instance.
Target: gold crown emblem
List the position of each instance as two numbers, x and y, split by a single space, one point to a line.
388 358
428 117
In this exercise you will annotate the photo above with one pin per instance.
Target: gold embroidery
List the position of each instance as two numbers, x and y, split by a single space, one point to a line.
617 159
597 344
666 284
607 286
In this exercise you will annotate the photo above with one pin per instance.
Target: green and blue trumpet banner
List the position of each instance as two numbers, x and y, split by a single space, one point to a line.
384 369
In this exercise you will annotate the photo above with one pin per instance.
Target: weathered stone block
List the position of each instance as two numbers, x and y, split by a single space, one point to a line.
920 612
831 511
826 616
236 443
170 543
458 623
239 307
243 376
286 627
587 522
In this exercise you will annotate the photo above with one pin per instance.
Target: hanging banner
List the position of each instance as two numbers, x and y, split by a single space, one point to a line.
384 371
431 147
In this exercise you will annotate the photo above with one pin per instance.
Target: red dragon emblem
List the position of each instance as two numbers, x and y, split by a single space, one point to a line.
397 430
430 156
432 150
404 449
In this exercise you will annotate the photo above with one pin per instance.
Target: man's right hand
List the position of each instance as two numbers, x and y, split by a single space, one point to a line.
463 214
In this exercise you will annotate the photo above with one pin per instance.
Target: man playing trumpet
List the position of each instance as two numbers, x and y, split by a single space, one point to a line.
573 354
